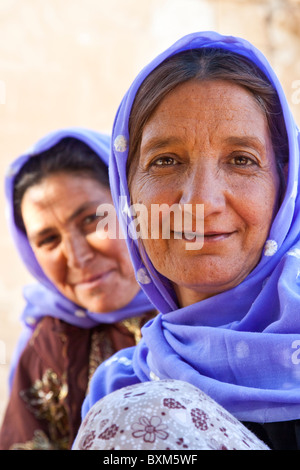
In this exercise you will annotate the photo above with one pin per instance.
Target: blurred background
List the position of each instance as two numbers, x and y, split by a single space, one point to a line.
65 63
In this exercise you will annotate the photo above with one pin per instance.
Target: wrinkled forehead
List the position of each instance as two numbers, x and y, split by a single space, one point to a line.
194 41
120 144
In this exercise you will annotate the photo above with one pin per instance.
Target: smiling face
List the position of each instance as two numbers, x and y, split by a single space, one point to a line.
60 219
208 143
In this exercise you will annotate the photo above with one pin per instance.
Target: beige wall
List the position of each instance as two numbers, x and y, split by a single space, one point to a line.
69 62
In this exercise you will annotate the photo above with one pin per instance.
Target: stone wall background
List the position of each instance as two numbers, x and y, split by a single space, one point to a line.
69 62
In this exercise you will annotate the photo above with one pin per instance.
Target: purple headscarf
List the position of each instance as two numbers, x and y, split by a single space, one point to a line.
42 298
242 346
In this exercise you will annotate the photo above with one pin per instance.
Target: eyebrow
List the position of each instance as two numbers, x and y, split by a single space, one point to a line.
81 209
76 213
248 141
157 143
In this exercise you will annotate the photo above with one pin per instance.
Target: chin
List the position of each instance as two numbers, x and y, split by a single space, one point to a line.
97 307
204 288
102 306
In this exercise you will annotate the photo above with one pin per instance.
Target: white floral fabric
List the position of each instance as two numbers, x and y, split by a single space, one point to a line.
162 415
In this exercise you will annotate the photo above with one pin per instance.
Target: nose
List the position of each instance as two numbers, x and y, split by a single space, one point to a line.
77 251
204 185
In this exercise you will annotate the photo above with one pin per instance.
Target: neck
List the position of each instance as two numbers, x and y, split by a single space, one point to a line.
186 296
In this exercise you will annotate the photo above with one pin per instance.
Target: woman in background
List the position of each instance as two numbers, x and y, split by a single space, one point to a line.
86 304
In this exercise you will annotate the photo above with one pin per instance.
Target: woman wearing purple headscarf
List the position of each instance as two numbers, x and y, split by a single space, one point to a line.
206 125
86 304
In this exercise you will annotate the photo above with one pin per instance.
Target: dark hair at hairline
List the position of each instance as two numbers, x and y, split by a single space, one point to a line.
69 155
207 64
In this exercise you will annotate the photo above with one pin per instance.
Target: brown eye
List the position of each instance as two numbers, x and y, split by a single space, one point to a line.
164 161
91 219
48 241
242 160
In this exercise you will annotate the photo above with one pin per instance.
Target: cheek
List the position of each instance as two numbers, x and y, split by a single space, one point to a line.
115 250
148 190
156 199
54 269
161 255
259 206
101 245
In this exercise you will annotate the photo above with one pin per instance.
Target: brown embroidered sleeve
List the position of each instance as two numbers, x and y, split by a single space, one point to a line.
51 381
38 413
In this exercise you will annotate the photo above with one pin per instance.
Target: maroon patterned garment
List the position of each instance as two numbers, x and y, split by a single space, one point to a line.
51 380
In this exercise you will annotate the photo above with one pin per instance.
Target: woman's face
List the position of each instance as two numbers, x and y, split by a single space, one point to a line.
60 219
208 143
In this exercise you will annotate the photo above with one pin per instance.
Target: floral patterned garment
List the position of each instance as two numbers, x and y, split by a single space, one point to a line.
162 415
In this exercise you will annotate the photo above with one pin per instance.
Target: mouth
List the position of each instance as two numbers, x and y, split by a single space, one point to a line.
96 280
216 236
207 237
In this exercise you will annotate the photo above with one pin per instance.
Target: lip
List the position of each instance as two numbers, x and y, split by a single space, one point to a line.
93 281
207 237
210 237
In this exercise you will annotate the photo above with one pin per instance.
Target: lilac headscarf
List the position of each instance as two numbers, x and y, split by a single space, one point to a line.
42 298
241 347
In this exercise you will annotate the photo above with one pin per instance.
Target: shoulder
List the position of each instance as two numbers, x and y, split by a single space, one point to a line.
53 342
115 373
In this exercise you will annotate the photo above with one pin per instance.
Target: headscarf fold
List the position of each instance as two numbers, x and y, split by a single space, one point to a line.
42 298
242 346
